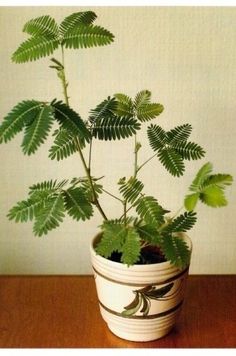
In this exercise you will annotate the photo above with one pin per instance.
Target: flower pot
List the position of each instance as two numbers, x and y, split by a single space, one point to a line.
140 302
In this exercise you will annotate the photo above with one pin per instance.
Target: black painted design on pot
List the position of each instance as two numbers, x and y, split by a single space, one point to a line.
143 297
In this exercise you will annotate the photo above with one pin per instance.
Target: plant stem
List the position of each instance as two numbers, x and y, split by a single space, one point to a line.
149 159
63 77
90 155
135 156
87 169
95 199
125 210
112 195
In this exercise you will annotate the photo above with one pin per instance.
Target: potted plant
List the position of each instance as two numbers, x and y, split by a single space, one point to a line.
141 258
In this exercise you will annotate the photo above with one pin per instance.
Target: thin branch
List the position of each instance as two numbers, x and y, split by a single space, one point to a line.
87 170
149 159
112 195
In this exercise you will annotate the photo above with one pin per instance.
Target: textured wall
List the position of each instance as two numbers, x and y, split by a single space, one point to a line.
187 58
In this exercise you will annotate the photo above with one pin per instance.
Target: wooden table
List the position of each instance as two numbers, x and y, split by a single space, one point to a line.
62 312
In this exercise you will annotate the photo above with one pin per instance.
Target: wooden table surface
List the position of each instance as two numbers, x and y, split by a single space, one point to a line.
62 312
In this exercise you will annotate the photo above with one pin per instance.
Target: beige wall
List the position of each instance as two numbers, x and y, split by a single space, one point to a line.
187 58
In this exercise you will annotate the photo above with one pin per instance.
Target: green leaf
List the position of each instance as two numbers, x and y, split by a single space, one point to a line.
124 106
172 161
113 128
182 223
76 19
113 237
64 145
104 110
208 187
176 251
178 134
150 211
35 48
201 176
213 196
37 131
157 137
148 112
88 191
149 233
25 210
144 109
77 204
131 189
50 216
70 121
44 190
23 113
42 26
86 36
142 98
190 201
131 247
220 180
189 150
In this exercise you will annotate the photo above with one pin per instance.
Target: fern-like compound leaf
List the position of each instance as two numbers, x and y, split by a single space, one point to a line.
190 201
172 161
21 115
220 180
182 223
112 128
46 189
125 107
149 111
149 233
77 204
142 98
113 237
150 211
213 196
131 247
208 187
64 145
76 19
35 48
117 237
103 110
157 137
179 133
86 36
176 251
70 121
131 189
25 210
50 216
189 150
203 173
42 26
37 131
85 184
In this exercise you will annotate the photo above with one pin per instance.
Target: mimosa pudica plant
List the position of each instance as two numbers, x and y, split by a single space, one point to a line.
143 222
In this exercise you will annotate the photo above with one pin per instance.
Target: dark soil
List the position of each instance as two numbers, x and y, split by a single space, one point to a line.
149 255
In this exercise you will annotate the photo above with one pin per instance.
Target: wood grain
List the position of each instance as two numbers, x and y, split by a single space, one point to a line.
62 312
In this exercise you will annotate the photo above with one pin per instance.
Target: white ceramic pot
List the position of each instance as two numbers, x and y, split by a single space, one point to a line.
140 302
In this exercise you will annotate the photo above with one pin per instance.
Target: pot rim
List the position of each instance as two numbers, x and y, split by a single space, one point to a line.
135 267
